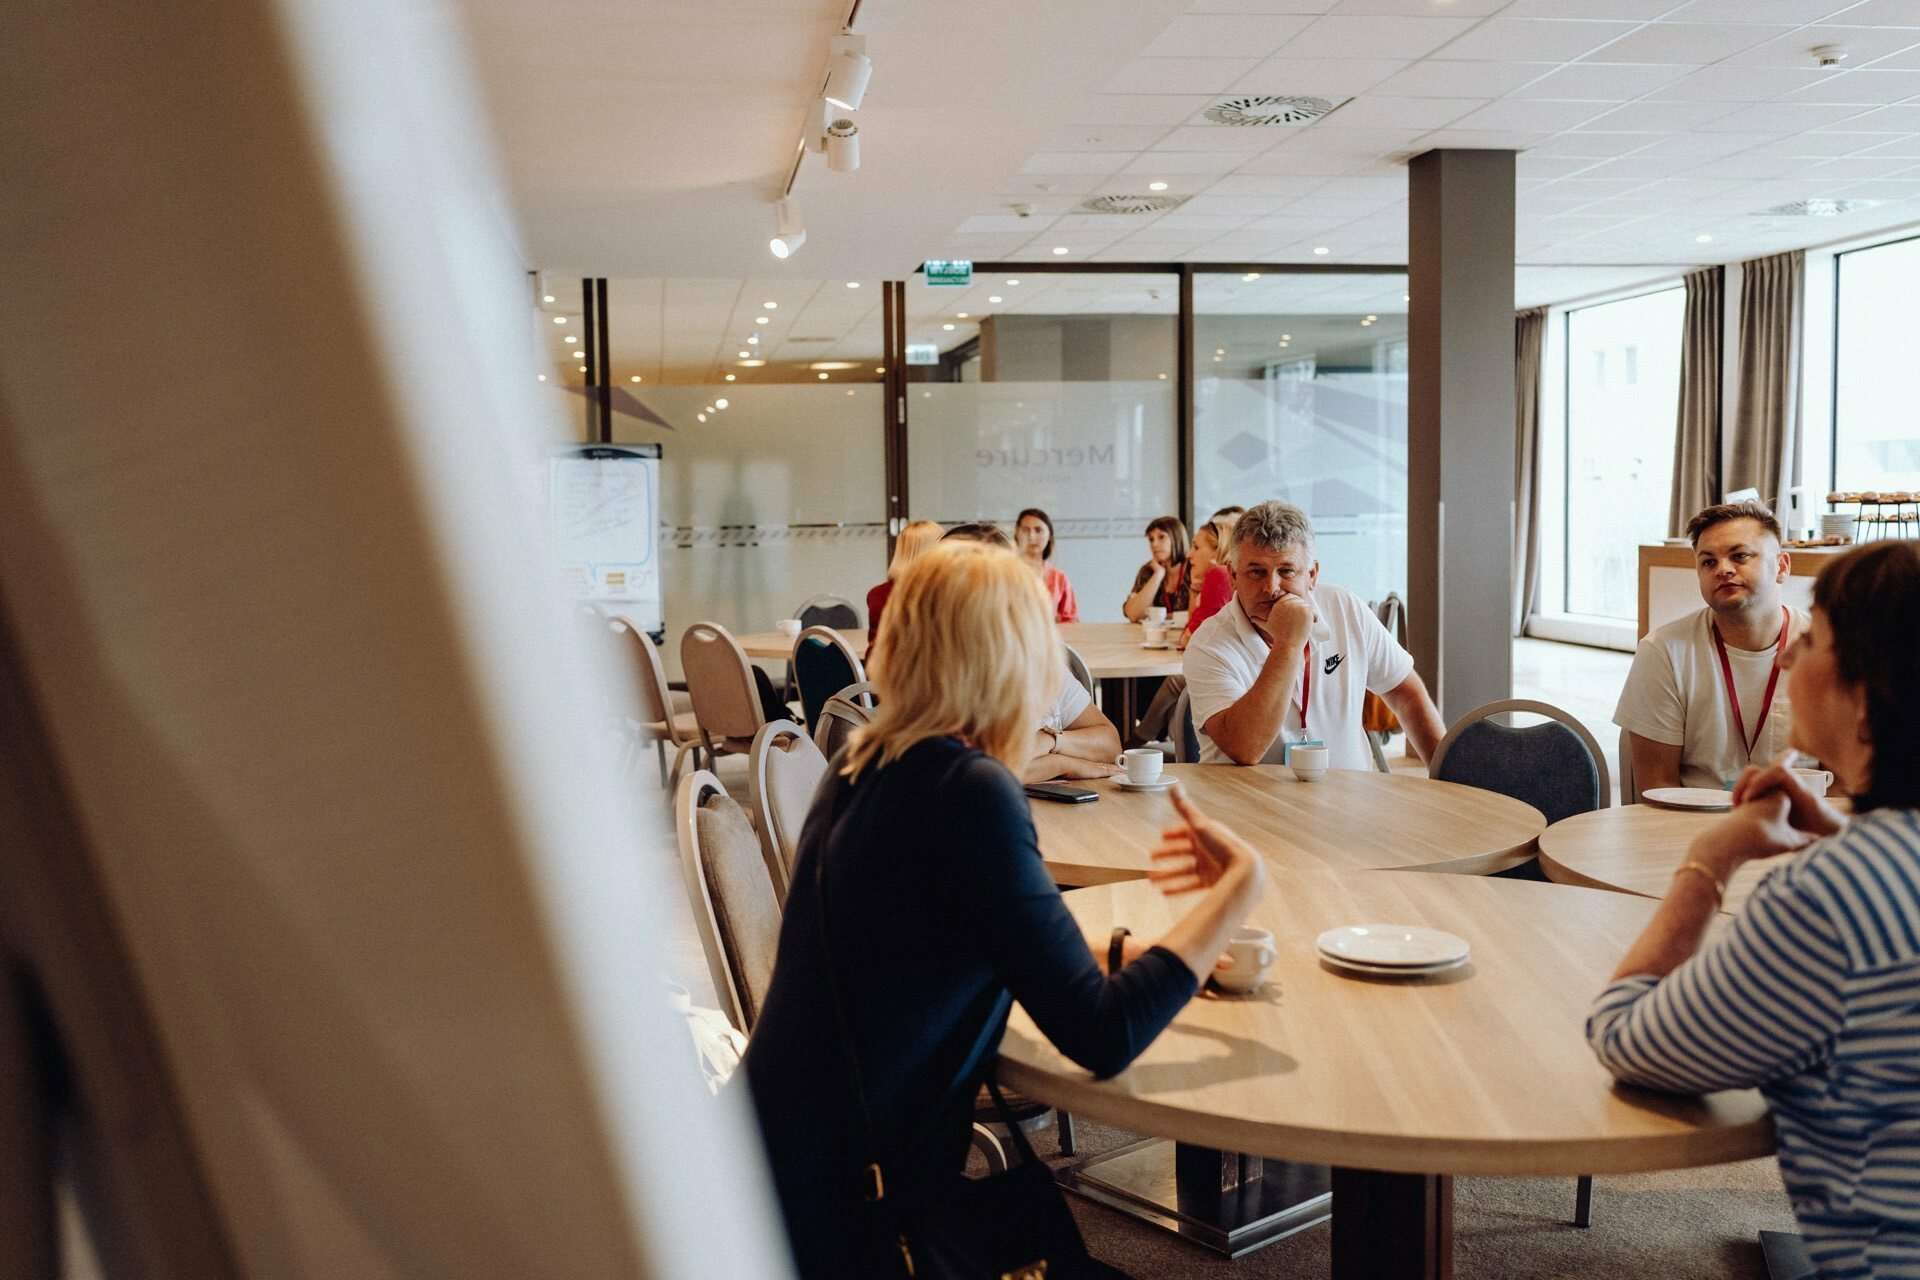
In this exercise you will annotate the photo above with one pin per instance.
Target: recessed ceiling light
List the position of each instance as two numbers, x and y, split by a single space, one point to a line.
1703 239
1372 318
880 369
546 297
994 298
761 320
1163 377
853 284
1059 249
1406 297
1156 186
634 378
1286 337
1250 277
701 416
559 319
1216 359
771 306
751 364
825 376
946 326
753 339
543 377
835 365
960 315
849 390
729 377
569 338
745 354
1013 284
720 403
708 409
1321 251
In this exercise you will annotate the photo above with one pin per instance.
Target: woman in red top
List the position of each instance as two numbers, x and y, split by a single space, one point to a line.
1033 539
913 540
1207 565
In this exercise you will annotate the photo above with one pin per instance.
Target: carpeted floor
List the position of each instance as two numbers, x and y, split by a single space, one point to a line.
1693 1224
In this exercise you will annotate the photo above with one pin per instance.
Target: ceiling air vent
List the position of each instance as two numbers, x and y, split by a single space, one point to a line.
1266 109
1818 208
1131 204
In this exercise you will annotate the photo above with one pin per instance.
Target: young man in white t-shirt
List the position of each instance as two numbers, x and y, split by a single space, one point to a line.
1288 660
1682 726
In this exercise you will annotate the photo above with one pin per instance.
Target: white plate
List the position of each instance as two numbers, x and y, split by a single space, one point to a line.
1392 945
1392 971
1705 799
1158 784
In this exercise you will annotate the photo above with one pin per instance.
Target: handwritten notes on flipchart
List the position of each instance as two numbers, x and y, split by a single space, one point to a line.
605 502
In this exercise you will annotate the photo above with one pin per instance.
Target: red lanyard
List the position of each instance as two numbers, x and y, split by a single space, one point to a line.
1306 683
1733 694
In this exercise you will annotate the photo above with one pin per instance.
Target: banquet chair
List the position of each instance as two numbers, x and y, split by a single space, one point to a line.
1186 739
735 906
655 718
726 704
785 771
1081 672
1629 789
823 664
844 712
1555 766
836 612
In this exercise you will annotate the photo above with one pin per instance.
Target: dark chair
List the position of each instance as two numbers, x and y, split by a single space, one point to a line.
1186 739
1077 667
1555 766
823 664
1629 789
830 611
844 712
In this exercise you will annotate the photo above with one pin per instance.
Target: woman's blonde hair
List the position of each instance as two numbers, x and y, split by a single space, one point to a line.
913 540
969 648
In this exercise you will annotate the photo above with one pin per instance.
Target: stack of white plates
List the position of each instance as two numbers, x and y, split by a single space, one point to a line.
1392 950
1705 799
1837 524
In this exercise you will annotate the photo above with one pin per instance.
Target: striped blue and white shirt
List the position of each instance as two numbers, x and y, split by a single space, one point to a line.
1812 994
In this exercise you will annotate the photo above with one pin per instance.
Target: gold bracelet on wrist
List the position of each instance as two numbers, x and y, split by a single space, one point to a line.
1701 868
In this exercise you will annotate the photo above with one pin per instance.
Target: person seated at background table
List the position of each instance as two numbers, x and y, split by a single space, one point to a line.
1701 700
1207 563
919 882
1228 514
1162 580
913 540
1291 659
1033 539
1812 992
1075 739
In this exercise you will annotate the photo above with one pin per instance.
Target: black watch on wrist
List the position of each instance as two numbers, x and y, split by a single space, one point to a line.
1116 948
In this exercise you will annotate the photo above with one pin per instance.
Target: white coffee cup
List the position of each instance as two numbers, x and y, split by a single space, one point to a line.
1154 635
1156 613
1248 954
1815 780
788 627
1178 618
1309 763
1142 765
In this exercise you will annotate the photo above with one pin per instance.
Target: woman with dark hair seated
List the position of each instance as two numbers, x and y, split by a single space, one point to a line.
1162 580
938 913
1033 539
1812 993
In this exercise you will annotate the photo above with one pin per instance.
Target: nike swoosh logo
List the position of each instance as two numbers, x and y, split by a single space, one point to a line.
1334 662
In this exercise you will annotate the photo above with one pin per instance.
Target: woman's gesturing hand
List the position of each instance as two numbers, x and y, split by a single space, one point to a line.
1199 852
1806 811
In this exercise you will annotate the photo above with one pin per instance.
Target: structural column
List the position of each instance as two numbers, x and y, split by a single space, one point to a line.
1460 425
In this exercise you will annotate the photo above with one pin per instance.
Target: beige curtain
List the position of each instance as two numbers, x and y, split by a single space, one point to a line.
1696 444
1529 344
1766 425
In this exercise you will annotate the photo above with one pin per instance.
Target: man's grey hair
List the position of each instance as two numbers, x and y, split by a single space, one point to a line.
1271 526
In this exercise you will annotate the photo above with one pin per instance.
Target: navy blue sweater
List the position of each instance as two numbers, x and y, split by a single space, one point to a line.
941 914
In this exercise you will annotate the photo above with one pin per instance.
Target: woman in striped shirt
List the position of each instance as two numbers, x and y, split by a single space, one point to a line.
1813 992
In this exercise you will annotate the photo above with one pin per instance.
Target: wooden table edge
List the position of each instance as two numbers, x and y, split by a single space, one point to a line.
1747 1139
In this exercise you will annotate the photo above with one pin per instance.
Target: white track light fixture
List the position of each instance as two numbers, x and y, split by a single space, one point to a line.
823 114
848 71
843 146
789 234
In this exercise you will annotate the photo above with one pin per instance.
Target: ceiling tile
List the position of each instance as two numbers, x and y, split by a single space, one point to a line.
1739 84
1628 10
1100 162
1281 162
1863 44
1698 145
1371 142
1334 78
1596 144
1866 87
1531 116
1909 146
1001 224
1030 184
1159 162
1103 222
1098 137
1421 8
1372 112
1181 75
1178 184
1220 35
1243 207
1601 82
1789 117
1330 207
1221 137
1529 40
1482 139
1462 79
1535 164
1794 11
1271 187
1687 43
1142 108
1907 61
1901 119
1658 117
1261 6
1857 169
1640 168
1879 13
1895 189
1183 221
1389 37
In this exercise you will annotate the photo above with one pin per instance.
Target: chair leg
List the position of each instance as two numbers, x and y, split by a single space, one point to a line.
1066 1134
1583 1201
660 749
1379 754
989 1147
679 758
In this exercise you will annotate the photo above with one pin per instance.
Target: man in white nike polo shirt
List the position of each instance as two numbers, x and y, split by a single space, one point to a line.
1291 660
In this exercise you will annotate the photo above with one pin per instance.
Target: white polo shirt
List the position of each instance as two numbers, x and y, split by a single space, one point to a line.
1349 653
1677 694
1070 705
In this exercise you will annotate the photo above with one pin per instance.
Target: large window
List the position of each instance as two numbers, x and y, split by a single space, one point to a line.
1876 435
1613 473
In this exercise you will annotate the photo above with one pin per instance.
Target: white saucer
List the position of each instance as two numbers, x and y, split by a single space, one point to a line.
1145 645
1704 799
1394 946
1392 971
1127 784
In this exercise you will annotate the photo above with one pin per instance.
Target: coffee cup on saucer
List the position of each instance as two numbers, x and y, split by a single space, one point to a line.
788 627
1309 763
1154 635
1244 966
1142 765
1178 618
1156 613
1815 780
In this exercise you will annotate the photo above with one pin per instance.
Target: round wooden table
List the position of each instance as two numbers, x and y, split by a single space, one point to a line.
1636 849
1351 820
772 645
1400 1084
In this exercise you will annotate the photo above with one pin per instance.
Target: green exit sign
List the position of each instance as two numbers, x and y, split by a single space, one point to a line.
957 274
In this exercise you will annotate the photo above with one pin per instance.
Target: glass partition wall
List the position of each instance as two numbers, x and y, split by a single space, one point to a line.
1054 391
1300 393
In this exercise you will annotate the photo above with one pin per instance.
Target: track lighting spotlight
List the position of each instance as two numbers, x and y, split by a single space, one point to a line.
823 114
848 72
843 146
789 234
